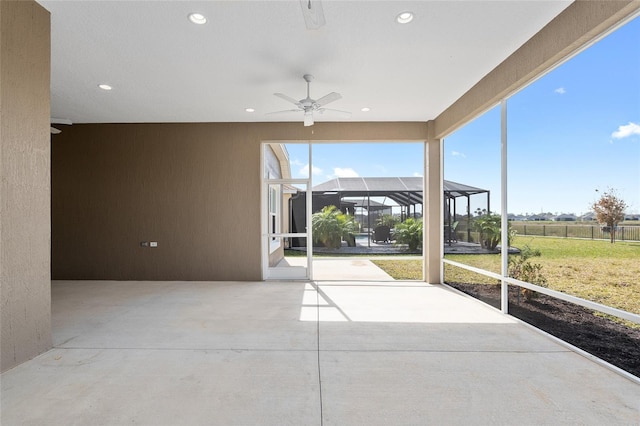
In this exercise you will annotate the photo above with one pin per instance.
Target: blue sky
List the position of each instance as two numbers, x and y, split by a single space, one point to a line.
357 159
572 132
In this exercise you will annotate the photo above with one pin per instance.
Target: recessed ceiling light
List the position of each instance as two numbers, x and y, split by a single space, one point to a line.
404 17
105 86
250 110
365 109
197 18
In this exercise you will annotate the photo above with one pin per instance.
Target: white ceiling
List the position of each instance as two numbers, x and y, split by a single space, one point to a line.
165 69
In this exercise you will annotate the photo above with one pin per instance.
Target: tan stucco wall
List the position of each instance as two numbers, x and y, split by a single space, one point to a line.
25 290
193 188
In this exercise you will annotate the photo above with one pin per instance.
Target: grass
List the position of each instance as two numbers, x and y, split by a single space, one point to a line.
401 269
594 270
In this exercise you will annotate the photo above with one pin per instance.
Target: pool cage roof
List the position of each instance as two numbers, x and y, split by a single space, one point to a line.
404 191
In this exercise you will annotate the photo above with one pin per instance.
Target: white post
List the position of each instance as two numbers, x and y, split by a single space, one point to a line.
309 229
441 208
504 298
263 214
425 217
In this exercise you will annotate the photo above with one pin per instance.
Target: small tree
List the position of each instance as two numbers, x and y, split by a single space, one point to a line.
480 212
609 210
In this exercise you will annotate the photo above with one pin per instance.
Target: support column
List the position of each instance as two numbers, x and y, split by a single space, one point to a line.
433 215
25 158
504 289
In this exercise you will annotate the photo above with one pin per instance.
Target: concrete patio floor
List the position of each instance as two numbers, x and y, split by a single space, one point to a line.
291 353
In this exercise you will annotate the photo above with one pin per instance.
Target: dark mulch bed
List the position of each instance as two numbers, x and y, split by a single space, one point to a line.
608 340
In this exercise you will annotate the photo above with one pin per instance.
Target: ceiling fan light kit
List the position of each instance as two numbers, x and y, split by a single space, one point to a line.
308 119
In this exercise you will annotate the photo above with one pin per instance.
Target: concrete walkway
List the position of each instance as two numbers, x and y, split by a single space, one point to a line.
358 269
338 353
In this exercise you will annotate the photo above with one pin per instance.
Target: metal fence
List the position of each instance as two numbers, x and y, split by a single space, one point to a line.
593 232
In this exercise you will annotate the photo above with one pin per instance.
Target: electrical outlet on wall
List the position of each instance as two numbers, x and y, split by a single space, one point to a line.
153 244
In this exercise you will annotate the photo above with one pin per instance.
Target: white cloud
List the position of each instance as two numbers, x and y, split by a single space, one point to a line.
348 172
416 174
314 170
458 154
560 91
626 130
296 162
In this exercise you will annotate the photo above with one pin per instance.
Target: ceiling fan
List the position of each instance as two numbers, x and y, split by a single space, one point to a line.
65 121
308 105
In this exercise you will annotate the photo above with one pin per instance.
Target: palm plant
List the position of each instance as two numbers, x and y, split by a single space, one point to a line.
330 226
490 228
409 232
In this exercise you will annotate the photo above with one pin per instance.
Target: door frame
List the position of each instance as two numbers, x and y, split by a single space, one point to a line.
269 273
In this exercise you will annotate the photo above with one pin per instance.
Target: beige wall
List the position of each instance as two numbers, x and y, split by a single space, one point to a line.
193 188
25 295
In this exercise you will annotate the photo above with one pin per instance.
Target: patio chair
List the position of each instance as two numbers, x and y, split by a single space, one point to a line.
381 233
450 235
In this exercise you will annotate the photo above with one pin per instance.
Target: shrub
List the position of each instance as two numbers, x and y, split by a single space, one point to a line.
329 226
522 269
409 232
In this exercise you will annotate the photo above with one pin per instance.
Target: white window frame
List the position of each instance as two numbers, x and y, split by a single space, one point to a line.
275 215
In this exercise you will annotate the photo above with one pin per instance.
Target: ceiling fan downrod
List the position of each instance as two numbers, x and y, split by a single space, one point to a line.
308 78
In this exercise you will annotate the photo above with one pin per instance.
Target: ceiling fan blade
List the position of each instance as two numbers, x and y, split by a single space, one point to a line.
55 131
308 118
287 98
284 111
312 13
346 114
333 96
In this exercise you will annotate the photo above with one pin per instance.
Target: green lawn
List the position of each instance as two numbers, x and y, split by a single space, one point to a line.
595 270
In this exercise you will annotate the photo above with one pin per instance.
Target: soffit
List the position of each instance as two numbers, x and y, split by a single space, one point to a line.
165 69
